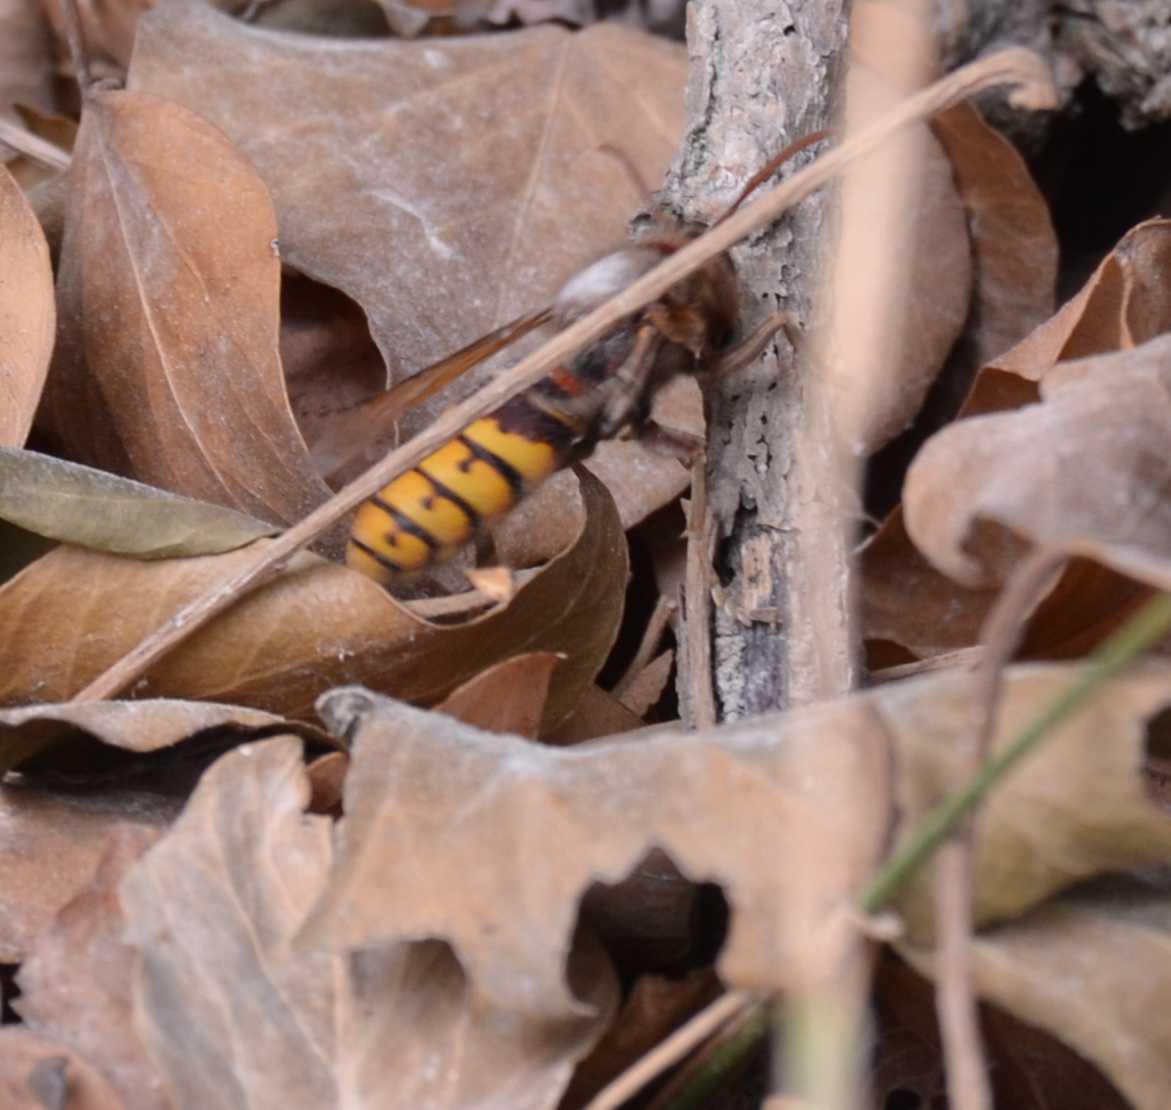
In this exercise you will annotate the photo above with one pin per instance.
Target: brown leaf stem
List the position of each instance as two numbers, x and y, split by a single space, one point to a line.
670 1051
968 1083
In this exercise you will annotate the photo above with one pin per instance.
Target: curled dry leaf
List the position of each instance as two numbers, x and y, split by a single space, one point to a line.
1091 969
167 366
315 626
908 601
1014 246
38 731
1091 462
27 312
75 984
39 1072
92 508
212 909
50 846
489 842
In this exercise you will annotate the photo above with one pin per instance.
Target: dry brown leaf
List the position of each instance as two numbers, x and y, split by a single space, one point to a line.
1029 1069
237 1017
489 842
92 508
167 366
475 226
648 685
107 27
1091 462
509 697
37 1073
327 776
905 599
907 602
50 846
1090 968
26 65
1077 807
76 982
27 312
1013 242
314 627
39 732
598 714
322 327
1090 323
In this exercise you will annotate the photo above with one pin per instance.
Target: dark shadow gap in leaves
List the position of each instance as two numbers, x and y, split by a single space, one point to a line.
1100 180
86 766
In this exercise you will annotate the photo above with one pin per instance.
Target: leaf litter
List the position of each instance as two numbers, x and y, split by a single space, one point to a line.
418 922
494 241
316 626
27 312
948 615
170 246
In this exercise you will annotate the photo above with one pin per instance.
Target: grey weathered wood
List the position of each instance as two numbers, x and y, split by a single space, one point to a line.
763 73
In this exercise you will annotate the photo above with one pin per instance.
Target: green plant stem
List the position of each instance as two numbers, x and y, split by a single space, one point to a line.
1145 629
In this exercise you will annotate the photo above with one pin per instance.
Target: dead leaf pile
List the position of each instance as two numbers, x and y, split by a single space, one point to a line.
343 848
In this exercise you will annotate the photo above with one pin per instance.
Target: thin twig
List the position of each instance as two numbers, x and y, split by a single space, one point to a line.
1001 636
968 657
959 1021
1014 66
955 1000
656 625
33 146
671 1050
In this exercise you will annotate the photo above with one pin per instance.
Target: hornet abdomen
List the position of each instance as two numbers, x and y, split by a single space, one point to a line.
425 515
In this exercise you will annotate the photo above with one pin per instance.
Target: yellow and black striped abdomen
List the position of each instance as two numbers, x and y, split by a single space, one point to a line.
425 515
